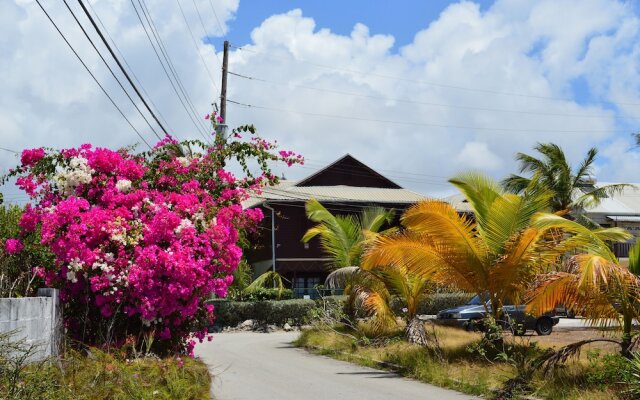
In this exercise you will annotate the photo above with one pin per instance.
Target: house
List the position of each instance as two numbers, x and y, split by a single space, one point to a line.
620 210
343 187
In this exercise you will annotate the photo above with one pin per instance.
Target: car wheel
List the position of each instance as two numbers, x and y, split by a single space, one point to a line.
544 326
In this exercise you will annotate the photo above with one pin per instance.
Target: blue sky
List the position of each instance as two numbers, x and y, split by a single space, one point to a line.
400 18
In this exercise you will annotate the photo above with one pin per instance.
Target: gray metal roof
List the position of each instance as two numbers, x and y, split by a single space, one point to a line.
286 191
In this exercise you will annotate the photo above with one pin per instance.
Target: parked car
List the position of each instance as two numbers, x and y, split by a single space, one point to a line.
471 315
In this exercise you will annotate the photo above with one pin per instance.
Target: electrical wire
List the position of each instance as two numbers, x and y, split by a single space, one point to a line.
195 44
422 82
215 14
411 123
124 59
124 71
426 103
91 73
153 46
172 68
111 70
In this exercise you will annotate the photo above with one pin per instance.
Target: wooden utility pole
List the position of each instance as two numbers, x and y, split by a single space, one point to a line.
223 88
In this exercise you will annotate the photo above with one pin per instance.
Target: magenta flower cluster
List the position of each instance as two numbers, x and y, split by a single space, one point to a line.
13 246
143 240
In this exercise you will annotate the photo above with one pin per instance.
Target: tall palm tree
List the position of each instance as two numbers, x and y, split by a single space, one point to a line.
499 253
571 190
343 237
599 287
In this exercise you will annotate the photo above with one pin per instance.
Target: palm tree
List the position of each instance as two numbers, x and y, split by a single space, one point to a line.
377 288
343 237
571 191
600 287
499 253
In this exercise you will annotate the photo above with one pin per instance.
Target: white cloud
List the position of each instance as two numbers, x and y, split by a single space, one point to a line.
536 49
478 156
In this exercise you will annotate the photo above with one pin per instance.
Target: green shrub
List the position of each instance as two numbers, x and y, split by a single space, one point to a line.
275 312
269 294
436 303
16 270
608 369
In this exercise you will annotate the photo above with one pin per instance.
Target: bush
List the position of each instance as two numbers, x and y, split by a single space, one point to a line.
269 294
16 270
141 239
276 312
436 303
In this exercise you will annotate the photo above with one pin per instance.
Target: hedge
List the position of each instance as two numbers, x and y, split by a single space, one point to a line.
436 303
272 312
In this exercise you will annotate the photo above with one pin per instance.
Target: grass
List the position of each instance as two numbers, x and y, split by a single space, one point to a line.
454 366
101 375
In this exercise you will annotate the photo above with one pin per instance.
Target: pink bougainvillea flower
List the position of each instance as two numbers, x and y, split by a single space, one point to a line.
13 246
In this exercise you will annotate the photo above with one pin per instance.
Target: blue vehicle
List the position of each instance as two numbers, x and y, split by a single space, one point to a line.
471 315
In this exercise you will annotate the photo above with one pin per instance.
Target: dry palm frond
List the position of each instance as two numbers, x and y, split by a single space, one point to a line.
550 361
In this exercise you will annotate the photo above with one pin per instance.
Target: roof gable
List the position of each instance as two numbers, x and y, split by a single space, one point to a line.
347 171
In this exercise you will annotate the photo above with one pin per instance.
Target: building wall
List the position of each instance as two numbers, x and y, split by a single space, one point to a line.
36 320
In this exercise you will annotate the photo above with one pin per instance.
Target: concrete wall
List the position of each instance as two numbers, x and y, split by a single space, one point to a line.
38 320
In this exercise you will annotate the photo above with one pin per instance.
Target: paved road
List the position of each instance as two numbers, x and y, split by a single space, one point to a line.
260 366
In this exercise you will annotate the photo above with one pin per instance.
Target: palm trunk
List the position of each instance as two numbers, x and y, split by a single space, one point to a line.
416 333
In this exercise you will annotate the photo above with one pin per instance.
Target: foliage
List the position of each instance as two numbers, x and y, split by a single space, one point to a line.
343 237
601 288
499 253
552 172
435 303
98 375
275 312
141 239
455 368
241 279
269 294
269 280
16 275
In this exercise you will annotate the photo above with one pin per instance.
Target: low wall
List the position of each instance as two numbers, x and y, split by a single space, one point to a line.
37 320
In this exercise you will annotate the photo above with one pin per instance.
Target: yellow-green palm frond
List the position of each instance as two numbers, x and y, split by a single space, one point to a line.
634 258
508 215
522 260
441 221
420 255
580 238
378 305
480 191
593 287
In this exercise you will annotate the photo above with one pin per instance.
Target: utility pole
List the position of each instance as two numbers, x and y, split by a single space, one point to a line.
223 88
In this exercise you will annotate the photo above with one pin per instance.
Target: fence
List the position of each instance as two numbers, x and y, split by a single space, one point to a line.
37 320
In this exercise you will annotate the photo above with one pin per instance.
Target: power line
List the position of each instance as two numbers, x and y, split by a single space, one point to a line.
91 73
153 46
124 59
422 82
110 70
165 52
401 100
124 71
352 118
204 29
9 150
215 14
195 44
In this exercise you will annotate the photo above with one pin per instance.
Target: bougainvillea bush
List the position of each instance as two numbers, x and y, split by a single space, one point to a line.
141 240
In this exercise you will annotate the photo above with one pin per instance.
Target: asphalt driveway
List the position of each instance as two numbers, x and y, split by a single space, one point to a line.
250 365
